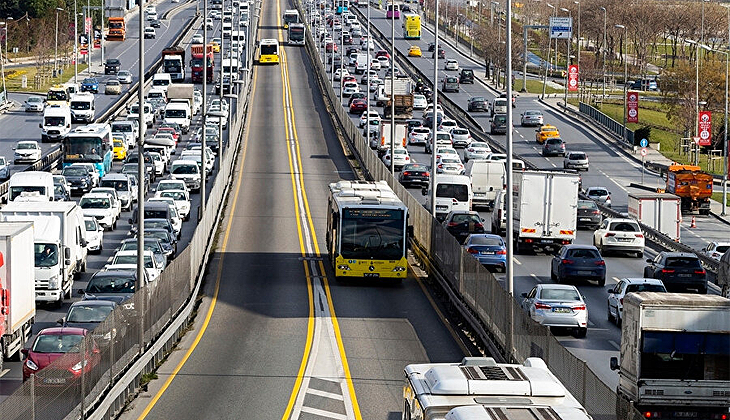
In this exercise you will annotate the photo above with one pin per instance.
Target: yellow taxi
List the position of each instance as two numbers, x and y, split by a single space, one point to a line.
545 132
120 149
414 51
216 45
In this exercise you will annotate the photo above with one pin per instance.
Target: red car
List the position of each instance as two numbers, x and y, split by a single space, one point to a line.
170 130
348 79
358 106
382 53
50 345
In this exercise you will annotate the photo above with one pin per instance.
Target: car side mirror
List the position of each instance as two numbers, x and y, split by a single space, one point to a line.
67 253
614 363
24 351
524 295
648 260
80 292
40 125
61 320
610 291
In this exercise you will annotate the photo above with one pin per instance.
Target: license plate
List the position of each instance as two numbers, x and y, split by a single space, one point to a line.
585 273
487 252
585 219
625 239
561 310
684 275
546 241
691 414
54 380
441 207
371 275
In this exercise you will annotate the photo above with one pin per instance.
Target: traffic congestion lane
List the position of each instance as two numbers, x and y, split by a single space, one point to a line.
609 167
17 125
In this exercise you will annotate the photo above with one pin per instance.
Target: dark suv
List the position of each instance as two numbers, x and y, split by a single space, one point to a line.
679 271
462 223
498 124
466 76
112 66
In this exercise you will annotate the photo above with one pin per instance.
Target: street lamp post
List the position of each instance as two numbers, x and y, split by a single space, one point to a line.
435 95
567 58
55 57
392 92
626 78
578 44
547 63
76 45
140 149
205 100
603 51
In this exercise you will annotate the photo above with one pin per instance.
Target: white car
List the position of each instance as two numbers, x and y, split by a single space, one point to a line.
419 101
442 151
477 150
34 104
460 137
182 201
159 163
149 32
197 38
349 88
451 64
364 118
616 234
339 73
123 259
557 305
61 180
112 194
419 135
187 171
172 185
447 125
27 151
401 157
716 250
374 64
384 62
100 207
450 165
629 285
94 235
374 83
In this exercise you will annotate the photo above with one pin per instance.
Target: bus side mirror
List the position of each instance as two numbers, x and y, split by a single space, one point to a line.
614 363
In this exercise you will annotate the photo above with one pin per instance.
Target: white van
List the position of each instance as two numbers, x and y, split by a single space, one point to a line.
230 66
158 93
161 80
83 107
499 106
56 123
488 178
499 215
35 183
453 192
128 130
180 113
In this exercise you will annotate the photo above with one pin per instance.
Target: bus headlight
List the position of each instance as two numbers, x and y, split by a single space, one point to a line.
398 268
343 267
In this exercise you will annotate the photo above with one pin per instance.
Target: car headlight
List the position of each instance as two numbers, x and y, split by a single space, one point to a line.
80 365
53 282
31 365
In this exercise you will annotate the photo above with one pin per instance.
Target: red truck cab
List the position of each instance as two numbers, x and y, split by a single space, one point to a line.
196 63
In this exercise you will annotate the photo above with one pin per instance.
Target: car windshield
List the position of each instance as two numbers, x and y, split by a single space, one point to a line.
533 113
117 185
152 245
46 255
58 343
92 313
94 203
111 284
466 218
184 169
624 227
159 234
74 172
450 160
122 128
554 141
26 146
460 131
644 287
478 145
560 294
132 259
164 224
167 186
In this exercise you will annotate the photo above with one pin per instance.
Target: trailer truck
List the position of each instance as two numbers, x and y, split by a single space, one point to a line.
675 356
198 62
545 209
117 29
173 63
17 291
402 95
59 244
692 185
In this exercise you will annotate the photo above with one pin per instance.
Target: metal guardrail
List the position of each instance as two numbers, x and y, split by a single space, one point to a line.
609 123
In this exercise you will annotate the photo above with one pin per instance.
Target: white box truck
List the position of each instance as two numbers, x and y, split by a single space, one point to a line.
400 137
662 212
17 291
183 93
675 356
545 209
361 63
488 178
60 234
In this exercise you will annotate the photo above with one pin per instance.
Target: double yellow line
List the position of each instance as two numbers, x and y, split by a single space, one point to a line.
289 108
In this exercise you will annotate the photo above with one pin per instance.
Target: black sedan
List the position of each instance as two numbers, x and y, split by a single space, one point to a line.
588 214
575 262
679 271
478 103
462 223
414 174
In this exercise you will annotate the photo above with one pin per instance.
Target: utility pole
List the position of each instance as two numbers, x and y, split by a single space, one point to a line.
434 128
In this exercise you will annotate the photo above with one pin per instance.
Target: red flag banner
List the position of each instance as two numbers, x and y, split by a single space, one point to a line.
573 78
705 125
632 107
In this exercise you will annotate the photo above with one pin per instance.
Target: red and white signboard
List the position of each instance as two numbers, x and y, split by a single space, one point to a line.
632 107
705 125
573 78
87 25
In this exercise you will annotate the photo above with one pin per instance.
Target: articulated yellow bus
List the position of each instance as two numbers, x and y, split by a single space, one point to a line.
412 26
367 231
268 51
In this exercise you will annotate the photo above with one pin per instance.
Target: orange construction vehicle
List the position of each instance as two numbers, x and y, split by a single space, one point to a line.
117 29
692 185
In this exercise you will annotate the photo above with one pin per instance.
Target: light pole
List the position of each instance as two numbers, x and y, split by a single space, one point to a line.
547 63
577 38
140 150
205 99
508 81
603 51
392 93
55 57
626 78
698 47
76 45
434 98
567 56
367 89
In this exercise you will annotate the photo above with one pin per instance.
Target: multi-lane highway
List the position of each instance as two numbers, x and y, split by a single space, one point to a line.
280 337
47 315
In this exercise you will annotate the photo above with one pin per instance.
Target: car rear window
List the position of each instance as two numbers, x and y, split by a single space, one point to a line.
583 253
554 141
598 192
585 204
624 227
577 156
485 240
683 262
722 248
645 288
458 191
559 294
462 218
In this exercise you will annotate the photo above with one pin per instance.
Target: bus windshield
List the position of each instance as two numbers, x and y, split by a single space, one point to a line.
87 149
269 49
372 233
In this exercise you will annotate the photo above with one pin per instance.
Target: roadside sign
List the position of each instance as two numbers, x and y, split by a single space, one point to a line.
644 143
705 125
573 78
632 107
561 27
643 151
696 140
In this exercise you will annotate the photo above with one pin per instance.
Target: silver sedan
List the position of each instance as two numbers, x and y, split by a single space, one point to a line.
575 160
557 305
